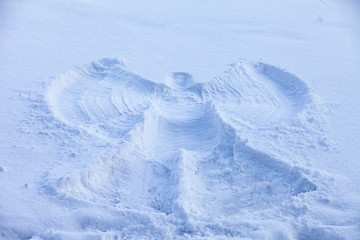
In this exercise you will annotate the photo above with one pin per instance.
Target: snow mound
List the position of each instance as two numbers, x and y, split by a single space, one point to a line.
179 159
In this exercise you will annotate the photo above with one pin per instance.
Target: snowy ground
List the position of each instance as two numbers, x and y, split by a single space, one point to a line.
179 119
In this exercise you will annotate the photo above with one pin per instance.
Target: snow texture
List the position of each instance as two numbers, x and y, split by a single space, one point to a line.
150 145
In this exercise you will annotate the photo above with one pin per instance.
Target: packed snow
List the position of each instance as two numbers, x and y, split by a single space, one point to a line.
179 119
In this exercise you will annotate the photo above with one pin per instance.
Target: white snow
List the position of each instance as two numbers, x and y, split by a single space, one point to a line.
179 119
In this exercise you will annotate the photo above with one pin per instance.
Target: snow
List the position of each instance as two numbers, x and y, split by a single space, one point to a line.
179 119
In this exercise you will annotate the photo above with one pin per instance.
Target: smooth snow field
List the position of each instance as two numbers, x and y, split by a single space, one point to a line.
179 119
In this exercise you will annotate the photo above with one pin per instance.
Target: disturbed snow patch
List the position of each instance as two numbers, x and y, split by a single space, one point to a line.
180 162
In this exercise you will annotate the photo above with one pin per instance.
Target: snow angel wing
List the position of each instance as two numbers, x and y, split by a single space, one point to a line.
103 97
256 93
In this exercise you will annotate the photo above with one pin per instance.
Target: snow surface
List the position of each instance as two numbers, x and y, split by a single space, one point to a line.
179 119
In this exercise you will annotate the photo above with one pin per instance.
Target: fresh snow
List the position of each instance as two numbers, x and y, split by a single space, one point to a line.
179 119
